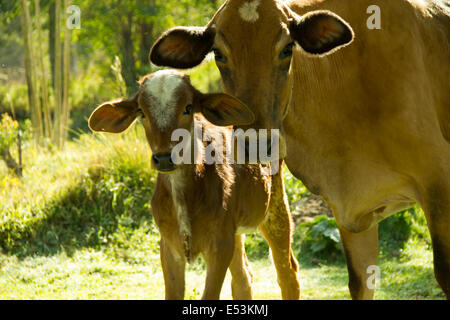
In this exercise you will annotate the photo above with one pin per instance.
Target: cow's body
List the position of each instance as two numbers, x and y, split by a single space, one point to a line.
367 127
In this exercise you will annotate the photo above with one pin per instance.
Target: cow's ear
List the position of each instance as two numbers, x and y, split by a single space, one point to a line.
182 47
115 116
224 110
321 32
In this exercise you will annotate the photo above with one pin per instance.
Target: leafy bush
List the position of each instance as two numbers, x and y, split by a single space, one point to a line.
320 238
96 193
256 246
295 189
8 131
396 230
16 94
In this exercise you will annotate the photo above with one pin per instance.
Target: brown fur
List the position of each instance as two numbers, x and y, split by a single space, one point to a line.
205 208
366 127
218 203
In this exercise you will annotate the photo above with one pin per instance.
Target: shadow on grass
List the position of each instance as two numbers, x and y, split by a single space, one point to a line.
401 281
89 214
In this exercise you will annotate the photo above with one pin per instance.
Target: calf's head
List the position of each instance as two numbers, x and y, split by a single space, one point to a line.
253 43
167 101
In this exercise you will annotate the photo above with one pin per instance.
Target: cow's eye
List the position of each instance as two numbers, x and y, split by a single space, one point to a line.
219 55
188 110
287 51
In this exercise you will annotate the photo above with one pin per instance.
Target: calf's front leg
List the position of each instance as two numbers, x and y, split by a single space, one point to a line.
218 258
241 281
173 265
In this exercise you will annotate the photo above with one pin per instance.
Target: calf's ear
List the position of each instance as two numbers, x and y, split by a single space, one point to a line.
224 110
321 32
182 47
115 116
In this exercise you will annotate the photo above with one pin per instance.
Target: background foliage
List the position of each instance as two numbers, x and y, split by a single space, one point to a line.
78 224
109 30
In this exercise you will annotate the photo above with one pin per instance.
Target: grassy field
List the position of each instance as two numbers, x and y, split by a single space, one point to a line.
79 226
98 274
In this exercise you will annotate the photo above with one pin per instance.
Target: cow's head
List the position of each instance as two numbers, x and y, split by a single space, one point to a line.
167 101
253 43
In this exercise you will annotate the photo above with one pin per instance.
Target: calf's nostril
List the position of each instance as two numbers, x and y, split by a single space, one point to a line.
155 159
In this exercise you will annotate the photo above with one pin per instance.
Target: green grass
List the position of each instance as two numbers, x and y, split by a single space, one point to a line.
98 274
79 226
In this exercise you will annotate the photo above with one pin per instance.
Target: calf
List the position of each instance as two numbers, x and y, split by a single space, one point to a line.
200 207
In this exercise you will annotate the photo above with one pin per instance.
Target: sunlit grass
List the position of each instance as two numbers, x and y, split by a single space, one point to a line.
79 226
92 274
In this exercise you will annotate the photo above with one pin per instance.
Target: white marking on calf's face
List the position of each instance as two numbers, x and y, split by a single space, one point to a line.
249 11
161 87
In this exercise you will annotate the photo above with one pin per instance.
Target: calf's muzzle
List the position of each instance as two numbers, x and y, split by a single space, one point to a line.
163 162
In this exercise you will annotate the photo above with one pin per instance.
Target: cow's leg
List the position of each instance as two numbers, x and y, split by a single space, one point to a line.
241 281
361 251
218 258
437 211
277 230
173 265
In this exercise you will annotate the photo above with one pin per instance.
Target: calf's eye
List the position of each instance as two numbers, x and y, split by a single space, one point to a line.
188 110
141 113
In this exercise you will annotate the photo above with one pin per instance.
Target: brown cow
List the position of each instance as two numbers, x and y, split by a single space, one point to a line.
200 207
367 127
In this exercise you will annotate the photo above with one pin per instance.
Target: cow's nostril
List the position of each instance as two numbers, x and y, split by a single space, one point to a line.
155 159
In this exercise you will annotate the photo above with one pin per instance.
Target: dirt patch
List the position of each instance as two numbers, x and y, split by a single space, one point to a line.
306 209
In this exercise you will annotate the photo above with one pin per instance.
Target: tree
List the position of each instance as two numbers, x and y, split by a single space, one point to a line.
33 96
43 74
128 29
66 63
9 130
57 132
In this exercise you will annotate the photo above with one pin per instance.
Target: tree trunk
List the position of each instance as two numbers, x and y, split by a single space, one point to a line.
146 34
65 106
58 95
43 74
10 162
5 154
33 95
128 61
51 39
